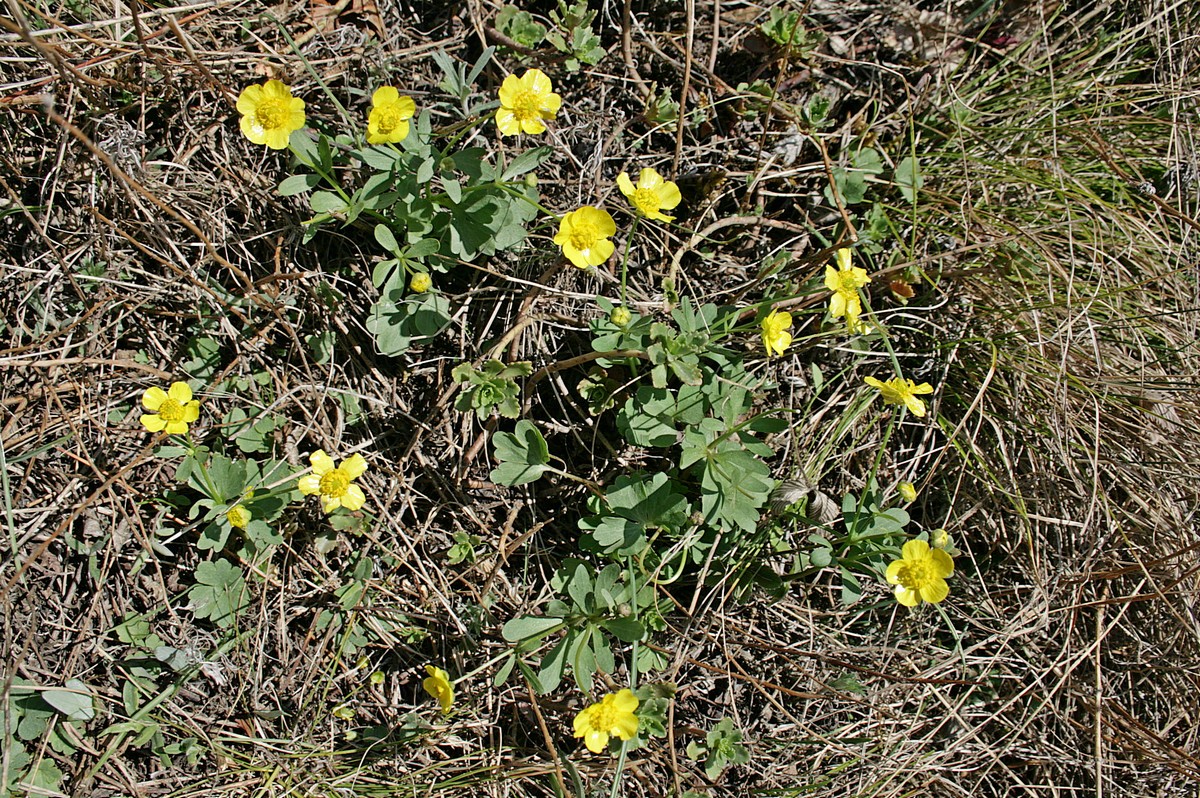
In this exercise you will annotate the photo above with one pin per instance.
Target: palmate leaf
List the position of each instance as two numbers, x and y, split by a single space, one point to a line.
521 455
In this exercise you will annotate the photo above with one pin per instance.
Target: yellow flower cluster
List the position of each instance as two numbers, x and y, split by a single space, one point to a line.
270 114
844 282
438 685
613 716
334 483
920 574
171 410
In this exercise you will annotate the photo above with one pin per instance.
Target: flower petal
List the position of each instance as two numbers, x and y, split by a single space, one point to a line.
321 463
309 484
934 590
907 597
535 80
330 503
625 700
625 184
915 550
249 99
177 428
181 392
152 422
532 125
385 95
191 412
668 195
506 122
893 572
354 466
595 740
353 498
153 398
509 90
943 563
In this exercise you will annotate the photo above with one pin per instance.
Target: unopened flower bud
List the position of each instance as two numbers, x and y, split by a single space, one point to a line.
420 283
620 316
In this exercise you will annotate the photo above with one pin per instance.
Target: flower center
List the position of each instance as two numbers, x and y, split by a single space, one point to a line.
605 718
334 484
847 283
646 199
171 411
527 106
389 119
271 114
913 575
584 235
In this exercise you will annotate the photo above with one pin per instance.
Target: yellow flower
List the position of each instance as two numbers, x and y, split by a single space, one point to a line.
438 685
844 282
775 335
651 195
583 235
613 716
525 102
420 283
920 574
172 409
270 113
899 391
908 491
388 121
237 516
334 484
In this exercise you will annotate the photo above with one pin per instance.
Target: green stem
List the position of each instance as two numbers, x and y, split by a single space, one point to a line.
625 260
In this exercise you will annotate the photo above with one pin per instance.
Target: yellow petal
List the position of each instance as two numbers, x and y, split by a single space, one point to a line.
181 392
353 498
595 740
843 258
385 95
191 411
152 422
625 184
550 104
322 463
506 122
177 428
535 80
943 563
909 598
153 398
914 405
248 101
532 126
915 550
668 195
330 503
354 466
893 572
625 700
935 590
309 484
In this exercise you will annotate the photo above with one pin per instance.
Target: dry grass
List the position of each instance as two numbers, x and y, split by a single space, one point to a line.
1058 322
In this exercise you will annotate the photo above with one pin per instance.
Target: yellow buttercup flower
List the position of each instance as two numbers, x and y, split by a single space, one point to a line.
584 234
525 103
612 717
270 113
334 483
171 410
775 335
438 685
651 195
899 391
920 574
420 283
238 516
844 282
388 121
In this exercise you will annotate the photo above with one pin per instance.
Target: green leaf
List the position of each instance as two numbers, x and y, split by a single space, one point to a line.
326 202
298 184
521 455
529 626
526 161
74 701
909 178
628 630
649 500
219 593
